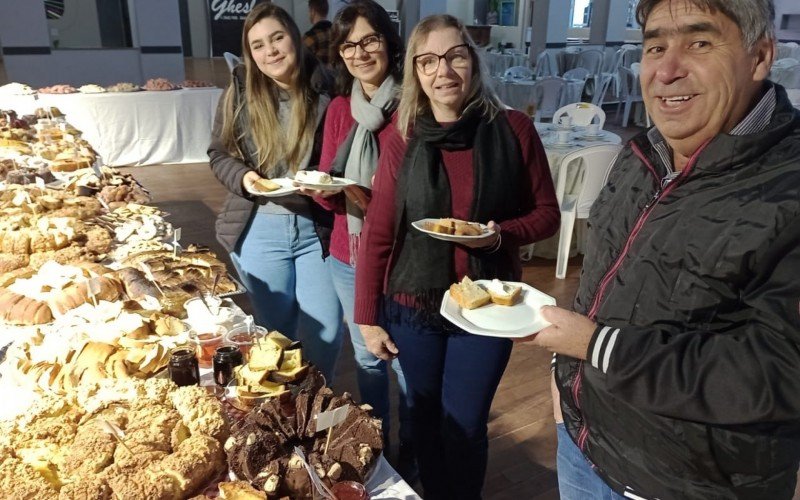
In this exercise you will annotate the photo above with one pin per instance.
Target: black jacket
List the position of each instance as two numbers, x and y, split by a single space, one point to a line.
690 388
239 205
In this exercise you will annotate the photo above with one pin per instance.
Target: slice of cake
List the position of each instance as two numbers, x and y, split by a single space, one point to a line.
504 294
266 185
313 177
468 294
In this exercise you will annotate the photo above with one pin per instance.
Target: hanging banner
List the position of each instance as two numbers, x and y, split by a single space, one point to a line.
227 18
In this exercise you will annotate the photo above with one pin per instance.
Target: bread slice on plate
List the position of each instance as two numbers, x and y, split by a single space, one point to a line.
468 294
504 294
266 185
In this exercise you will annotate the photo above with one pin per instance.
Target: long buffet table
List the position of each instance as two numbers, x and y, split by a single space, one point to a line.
135 128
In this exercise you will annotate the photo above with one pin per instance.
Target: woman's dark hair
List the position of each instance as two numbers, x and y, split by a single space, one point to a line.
379 19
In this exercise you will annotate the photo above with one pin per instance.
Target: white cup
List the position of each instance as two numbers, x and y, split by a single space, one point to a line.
593 129
565 121
562 136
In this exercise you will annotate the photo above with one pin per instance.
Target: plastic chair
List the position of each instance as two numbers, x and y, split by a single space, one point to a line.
582 114
630 92
547 94
591 59
577 74
596 162
232 60
543 66
518 73
609 76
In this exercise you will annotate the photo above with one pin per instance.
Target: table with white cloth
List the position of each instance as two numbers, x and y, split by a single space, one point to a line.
136 128
555 154
519 93
498 62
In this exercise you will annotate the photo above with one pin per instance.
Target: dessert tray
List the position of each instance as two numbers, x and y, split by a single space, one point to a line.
424 224
492 320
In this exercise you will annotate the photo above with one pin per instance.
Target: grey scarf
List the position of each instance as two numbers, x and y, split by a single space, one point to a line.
357 157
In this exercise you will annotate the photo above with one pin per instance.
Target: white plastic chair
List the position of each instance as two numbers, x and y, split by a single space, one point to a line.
543 65
232 60
582 114
591 59
518 73
577 74
595 162
630 92
630 55
609 76
547 94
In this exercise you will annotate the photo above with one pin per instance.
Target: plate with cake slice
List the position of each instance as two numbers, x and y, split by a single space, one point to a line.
272 187
496 308
314 179
449 229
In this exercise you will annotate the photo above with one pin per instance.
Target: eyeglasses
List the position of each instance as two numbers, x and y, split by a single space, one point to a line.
457 57
369 44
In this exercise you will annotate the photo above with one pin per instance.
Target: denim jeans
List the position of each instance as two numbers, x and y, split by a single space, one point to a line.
279 260
371 371
576 479
451 378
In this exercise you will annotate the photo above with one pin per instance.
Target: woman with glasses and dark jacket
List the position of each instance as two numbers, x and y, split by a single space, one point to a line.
459 153
366 55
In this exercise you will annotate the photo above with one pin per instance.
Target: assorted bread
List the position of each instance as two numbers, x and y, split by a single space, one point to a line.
115 439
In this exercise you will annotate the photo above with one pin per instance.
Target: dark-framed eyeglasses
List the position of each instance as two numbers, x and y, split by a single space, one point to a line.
457 57
370 43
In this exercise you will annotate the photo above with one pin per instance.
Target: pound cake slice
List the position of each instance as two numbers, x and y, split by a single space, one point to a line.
468 294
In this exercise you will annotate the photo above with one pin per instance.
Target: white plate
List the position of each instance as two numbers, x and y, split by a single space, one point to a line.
420 225
337 183
520 320
287 187
588 137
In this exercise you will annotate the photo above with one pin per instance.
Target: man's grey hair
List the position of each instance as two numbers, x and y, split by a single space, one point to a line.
755 18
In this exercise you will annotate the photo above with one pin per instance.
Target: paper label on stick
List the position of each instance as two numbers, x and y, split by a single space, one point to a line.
93 287
39 182
96 167
312 474
327 419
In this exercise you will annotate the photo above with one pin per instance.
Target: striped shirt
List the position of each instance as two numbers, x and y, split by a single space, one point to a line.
755 121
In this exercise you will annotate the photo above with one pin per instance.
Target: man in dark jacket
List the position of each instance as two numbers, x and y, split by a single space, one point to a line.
318 38
677 375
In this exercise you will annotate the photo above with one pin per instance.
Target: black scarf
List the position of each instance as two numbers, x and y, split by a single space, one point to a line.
423 266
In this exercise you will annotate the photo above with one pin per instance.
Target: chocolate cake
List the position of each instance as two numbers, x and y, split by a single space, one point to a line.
261 447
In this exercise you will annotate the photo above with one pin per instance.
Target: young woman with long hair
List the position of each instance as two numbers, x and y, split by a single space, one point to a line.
268 126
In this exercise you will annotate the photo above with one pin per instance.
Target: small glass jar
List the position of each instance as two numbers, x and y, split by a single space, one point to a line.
226 358
349 490
183 367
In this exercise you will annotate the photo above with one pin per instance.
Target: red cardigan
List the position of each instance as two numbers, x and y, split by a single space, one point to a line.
338 122
377 238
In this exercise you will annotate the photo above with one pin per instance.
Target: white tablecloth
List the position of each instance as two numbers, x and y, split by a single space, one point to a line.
136 128
519 93
498 63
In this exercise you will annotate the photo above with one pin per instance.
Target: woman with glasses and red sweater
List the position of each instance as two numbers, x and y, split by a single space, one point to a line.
457 153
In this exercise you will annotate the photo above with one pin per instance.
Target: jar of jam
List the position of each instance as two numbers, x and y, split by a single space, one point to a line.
349 490
226 358
183 367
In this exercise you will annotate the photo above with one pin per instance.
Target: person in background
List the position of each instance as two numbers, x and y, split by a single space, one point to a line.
318 38
268 125
677 373
458 153
367 58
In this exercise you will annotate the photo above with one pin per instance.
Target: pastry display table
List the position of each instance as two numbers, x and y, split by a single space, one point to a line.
135 128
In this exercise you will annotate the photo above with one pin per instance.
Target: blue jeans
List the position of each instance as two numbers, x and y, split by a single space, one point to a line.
576 479
279 260
371 371
451 377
